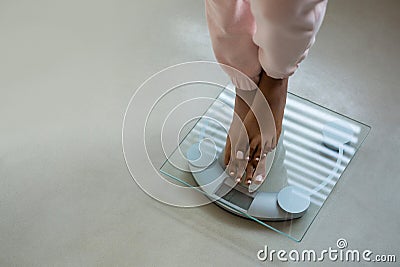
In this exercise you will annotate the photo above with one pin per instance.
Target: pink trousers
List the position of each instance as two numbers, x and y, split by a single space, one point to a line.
270 35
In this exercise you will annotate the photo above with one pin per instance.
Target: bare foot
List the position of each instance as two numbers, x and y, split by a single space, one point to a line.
257 132
262 138
237 128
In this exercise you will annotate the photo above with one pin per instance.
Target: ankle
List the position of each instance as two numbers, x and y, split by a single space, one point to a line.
244 97
269 85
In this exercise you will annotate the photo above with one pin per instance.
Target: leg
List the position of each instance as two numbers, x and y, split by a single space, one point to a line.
231 26
286 30
271 98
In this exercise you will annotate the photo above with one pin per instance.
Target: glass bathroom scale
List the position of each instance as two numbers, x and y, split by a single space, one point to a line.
314 149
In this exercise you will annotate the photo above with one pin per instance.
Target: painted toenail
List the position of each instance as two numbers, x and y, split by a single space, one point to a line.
259 178
239 155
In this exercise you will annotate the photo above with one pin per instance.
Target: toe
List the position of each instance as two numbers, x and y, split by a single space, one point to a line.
241 164
273 143
254 148
227 152
231 167
256 155
268 146
249 172
231 170
241 153
259 174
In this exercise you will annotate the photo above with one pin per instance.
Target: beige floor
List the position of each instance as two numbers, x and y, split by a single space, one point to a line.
67 72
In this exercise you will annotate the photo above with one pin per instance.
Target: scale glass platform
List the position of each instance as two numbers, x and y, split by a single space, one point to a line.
315 148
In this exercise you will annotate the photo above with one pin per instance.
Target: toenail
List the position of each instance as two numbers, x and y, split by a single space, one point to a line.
248 181
259 178
237 179
264 155
257 159
239 155
247 158
232 173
